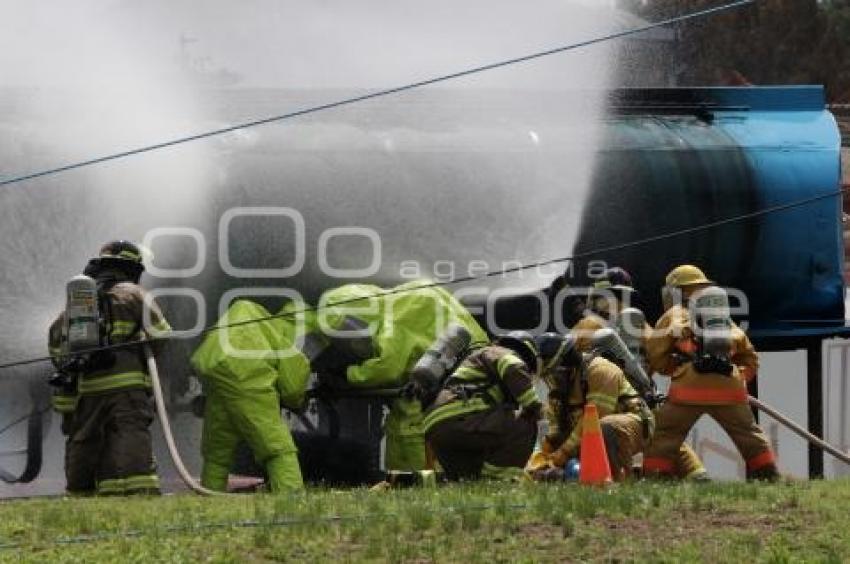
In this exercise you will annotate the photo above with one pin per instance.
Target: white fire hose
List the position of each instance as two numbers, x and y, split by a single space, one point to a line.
166 428
818 442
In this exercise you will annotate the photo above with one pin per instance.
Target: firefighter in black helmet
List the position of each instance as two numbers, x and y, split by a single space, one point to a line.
107 404
487 410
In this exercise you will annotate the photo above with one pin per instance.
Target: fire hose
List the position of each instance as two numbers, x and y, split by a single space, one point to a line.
166 428
791 425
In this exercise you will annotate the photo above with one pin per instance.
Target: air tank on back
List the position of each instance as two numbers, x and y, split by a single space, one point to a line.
684 176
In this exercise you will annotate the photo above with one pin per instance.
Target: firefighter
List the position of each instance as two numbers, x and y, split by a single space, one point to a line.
486 413
611 293
106 404
702 384
574 379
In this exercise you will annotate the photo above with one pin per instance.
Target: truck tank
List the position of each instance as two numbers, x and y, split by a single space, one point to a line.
683 176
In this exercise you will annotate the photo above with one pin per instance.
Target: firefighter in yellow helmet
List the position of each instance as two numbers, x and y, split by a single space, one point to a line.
105 398
609 295
702 384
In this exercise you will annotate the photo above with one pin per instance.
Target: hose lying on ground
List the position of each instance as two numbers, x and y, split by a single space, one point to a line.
818 442
166 428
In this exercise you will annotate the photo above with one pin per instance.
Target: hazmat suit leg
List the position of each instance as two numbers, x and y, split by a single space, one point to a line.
218 443
256 416
739 423
673 422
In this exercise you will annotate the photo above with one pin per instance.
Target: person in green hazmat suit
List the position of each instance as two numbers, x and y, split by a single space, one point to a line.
382 333
248 372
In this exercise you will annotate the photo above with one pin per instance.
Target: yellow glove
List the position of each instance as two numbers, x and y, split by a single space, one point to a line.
538 460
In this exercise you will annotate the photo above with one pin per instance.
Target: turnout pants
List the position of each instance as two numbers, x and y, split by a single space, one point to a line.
673 422
496 437
108 450
624 437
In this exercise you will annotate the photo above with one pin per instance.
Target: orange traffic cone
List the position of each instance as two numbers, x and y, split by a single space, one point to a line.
594 469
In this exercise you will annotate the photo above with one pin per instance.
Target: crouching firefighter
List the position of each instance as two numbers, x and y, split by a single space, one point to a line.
104 396
575 379
486 413
709 360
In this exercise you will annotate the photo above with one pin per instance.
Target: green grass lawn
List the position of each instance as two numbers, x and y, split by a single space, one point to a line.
720 522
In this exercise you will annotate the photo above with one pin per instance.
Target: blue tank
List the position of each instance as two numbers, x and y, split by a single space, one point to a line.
677 159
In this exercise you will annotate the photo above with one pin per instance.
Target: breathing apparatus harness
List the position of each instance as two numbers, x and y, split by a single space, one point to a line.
709 348
87 324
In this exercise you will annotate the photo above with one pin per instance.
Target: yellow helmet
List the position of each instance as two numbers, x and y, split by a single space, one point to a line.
686 275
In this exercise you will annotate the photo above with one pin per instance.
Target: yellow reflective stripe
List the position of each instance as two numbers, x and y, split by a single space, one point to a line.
64 404
162 326
142 482
123 328
469 373
55 351
506 362
113 382
603 400
527 397
124 485
451 410
128 255
115 486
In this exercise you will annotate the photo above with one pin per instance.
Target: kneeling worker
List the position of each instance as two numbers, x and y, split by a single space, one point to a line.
474 418
575 379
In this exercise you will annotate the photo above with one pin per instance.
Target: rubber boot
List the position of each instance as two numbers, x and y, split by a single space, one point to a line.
769 473
284 472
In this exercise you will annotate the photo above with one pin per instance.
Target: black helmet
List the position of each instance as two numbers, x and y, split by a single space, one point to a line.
121 255
522 343
614 278
556 349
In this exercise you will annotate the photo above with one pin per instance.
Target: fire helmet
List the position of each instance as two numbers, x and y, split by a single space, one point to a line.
615 278
522 343
121 255
556 349
686 275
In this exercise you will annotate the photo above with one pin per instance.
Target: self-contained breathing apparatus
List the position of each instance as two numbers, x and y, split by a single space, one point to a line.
438 362
84 328
711 324
608 344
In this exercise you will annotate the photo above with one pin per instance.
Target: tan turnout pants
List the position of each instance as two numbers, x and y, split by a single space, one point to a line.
673 422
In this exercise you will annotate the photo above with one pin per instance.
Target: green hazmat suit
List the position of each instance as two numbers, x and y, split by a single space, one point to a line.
248 371
404 322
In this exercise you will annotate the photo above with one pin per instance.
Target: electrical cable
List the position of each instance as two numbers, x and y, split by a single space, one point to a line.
378 94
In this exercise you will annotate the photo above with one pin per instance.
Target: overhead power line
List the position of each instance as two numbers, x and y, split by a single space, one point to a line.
373 95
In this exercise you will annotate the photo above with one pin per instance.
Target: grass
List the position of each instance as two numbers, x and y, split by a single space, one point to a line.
488 522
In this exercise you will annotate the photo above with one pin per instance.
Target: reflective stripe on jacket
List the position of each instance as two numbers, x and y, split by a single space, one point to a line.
122 368
673 335
490 376
603 384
